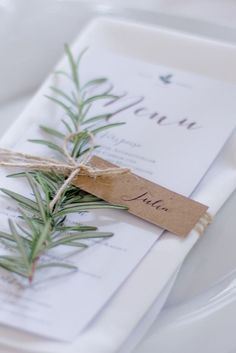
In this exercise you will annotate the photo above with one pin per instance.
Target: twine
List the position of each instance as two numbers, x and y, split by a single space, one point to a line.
203 223
71 167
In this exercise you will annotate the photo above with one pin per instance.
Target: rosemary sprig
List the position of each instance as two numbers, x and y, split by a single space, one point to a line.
41 227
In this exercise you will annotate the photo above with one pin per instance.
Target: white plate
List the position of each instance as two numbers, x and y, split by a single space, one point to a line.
196 316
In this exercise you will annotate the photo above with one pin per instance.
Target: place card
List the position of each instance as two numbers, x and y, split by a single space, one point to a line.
149 201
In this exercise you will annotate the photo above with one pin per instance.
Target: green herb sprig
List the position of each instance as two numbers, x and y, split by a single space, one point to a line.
40 227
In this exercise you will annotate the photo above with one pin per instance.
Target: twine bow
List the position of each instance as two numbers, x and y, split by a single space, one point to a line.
72 167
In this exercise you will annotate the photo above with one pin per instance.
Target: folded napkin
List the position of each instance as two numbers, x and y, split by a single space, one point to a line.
131 311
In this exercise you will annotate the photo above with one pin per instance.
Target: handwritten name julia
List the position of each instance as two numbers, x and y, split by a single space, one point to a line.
147 199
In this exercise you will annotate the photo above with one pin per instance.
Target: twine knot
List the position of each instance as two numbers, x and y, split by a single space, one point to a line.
72 167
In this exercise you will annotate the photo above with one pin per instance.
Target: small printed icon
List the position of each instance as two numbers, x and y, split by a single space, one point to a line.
166 78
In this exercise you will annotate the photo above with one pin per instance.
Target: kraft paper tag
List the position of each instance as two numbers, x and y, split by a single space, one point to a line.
151 202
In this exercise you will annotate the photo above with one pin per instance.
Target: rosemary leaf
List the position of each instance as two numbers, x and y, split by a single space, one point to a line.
20 244
53 132
49 144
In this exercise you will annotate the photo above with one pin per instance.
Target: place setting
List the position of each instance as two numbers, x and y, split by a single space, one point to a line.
117 168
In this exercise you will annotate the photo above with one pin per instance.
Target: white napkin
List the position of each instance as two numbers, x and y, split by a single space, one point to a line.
130 312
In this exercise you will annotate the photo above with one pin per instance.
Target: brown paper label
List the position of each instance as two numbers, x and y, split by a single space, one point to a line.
151 202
